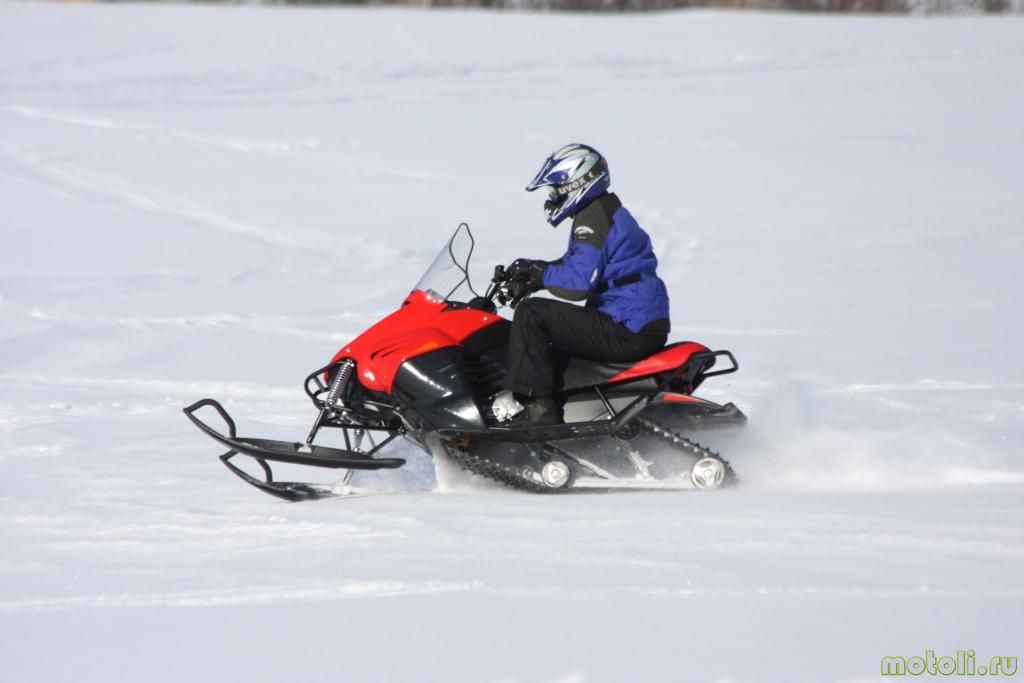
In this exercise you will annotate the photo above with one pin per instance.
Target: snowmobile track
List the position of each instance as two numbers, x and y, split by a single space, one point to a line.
509 476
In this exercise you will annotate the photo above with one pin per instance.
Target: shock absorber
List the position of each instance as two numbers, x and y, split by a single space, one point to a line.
642 467
341 379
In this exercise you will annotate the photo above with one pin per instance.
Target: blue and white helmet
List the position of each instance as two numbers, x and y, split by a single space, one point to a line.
576 175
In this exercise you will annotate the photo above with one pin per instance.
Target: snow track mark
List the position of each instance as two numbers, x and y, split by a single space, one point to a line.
248 146
248 596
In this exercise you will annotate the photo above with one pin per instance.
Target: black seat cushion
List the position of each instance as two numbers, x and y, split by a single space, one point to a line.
579 373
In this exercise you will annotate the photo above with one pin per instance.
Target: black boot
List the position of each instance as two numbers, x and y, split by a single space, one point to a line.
540 412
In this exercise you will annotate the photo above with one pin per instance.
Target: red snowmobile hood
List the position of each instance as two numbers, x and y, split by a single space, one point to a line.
423 323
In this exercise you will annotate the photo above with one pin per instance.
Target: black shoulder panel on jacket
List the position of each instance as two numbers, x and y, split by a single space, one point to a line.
591 224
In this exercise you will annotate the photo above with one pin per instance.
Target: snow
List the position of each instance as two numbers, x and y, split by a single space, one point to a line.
208 201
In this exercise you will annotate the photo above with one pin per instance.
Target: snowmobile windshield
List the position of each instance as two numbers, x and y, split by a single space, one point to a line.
448 275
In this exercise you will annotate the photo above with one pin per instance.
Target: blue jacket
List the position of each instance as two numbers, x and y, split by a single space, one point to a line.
611 264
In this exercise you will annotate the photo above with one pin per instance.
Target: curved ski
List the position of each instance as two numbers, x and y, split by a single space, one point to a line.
292 491
287 451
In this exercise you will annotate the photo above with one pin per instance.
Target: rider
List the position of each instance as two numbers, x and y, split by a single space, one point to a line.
609 263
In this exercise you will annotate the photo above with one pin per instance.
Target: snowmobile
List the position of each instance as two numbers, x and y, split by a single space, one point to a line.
431 372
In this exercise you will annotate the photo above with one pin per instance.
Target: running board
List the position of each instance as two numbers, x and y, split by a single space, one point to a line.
703 415
573 430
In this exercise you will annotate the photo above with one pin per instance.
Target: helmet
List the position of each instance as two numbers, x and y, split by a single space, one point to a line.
576 175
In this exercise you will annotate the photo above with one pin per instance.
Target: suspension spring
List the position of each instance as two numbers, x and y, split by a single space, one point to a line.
641 466
345 371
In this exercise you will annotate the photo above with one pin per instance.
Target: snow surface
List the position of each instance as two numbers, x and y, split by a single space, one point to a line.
208 201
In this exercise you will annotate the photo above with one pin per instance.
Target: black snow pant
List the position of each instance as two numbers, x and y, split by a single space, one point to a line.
545 331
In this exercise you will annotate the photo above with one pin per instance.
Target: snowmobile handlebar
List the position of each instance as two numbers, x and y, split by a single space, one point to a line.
506 289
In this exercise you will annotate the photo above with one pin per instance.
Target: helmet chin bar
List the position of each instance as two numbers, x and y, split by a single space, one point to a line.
552 206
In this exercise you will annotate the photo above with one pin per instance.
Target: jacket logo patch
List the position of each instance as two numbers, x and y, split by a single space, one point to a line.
583 233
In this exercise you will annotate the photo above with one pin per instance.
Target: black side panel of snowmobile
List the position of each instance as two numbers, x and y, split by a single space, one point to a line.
434 390
491 341
485 359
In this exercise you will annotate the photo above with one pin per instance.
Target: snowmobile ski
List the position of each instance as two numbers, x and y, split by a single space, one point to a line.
288 451
263 450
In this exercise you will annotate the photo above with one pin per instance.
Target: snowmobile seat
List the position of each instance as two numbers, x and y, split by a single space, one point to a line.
580 373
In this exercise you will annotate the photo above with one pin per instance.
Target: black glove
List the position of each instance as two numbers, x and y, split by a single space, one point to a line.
516 292
529 272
